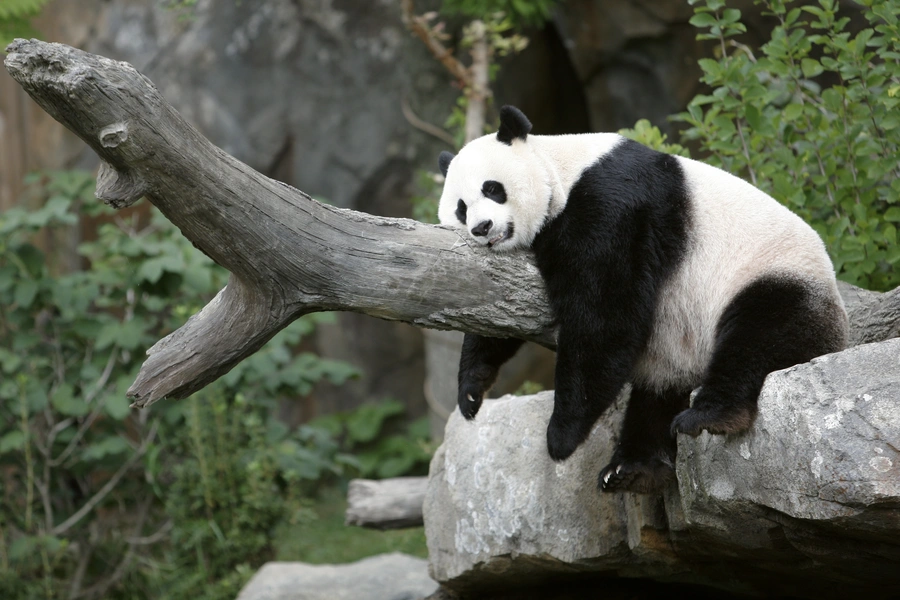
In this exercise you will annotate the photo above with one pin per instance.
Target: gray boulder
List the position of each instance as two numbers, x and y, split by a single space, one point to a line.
807 503
392 576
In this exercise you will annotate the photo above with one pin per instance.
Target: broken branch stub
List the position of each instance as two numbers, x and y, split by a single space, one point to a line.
288 255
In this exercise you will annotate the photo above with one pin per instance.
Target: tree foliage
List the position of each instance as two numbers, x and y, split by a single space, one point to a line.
15 19
812 118
522 12
100 501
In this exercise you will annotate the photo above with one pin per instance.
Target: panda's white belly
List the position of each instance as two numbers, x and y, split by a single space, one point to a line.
737 234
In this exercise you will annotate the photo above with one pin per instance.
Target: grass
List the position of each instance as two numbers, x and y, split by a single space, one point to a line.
320 536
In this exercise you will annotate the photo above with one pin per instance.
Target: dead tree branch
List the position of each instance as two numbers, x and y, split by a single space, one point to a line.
288 255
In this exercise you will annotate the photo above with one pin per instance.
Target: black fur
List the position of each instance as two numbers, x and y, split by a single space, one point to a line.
444 162
513 125
494 190
461 210
644 459
623 232
478 366
774 323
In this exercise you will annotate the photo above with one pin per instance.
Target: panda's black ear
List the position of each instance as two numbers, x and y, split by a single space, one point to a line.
444 161
513 125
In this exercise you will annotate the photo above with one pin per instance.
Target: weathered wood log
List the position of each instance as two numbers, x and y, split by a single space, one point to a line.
386 504
288 255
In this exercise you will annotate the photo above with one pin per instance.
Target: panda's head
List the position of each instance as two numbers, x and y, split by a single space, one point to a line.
497 188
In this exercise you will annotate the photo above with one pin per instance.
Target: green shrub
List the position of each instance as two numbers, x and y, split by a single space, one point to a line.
812 119
181 501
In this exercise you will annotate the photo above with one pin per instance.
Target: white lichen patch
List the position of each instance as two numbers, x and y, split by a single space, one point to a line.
467 538
721 489
815 433
450 474
882 464
560 469
816 465
745 450
833 421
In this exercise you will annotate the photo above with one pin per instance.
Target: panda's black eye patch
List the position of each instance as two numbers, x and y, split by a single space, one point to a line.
461 211
494 190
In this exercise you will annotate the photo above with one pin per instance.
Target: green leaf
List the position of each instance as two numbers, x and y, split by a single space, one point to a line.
892 214
65 401
23 547
25 293
792 111
731 15
703 19
810 67
751 113
14 440
117 405
125 335
9 361
364 423
109 446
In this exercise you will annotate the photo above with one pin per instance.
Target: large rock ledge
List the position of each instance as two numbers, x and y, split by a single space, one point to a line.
805 504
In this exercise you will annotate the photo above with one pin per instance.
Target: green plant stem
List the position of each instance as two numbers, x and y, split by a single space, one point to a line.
29 459
110 485
4 557
200 451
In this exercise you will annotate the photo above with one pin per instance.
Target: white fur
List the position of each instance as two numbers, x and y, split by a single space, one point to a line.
738 233
537 174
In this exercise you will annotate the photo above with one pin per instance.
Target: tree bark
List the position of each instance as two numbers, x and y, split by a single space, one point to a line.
393 503
288 255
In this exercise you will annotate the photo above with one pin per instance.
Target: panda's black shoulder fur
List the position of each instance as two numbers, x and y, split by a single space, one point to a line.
627 219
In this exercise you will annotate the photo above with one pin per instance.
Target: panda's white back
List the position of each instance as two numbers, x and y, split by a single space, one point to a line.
737 234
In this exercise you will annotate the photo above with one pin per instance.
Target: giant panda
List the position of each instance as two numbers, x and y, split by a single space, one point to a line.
662 272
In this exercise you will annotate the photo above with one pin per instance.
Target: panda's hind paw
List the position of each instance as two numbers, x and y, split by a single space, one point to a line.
716 420
645 477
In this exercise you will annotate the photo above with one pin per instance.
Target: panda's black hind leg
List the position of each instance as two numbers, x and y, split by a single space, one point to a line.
774 323
644 459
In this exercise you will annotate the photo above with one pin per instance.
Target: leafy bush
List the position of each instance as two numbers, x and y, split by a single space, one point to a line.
812 119
521 12
99 501
379 441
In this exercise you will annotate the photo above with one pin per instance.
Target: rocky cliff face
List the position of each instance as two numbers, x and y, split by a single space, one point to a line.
805 504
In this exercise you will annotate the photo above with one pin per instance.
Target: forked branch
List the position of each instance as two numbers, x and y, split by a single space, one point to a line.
288 255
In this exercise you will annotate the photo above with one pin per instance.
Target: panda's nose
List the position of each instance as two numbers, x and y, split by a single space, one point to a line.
482 228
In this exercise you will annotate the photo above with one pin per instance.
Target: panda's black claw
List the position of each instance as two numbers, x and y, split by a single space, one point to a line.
469 401
644 477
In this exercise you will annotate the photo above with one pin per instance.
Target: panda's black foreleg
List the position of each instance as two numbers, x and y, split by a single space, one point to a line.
644 459
479 364
593 364
774 323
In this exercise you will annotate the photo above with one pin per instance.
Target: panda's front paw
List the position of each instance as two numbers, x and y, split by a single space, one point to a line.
562 438
469 400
